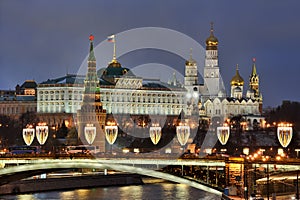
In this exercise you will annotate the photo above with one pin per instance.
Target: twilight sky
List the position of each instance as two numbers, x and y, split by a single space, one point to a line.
46 39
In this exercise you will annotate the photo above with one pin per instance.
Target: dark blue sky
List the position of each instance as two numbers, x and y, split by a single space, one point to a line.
45 39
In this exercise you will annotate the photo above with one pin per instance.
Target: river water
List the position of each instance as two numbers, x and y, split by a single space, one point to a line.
154 191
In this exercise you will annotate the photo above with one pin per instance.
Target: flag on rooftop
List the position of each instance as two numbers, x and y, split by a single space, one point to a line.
111 38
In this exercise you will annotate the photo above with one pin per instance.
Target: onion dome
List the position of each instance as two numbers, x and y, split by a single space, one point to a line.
191 61
114 63
211 41
237 79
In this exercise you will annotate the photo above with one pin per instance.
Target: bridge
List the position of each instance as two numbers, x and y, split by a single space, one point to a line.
30 167
19 168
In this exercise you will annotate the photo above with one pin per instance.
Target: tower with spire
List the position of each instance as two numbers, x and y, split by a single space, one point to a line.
92 112
191 84
211 68
191 71
253 92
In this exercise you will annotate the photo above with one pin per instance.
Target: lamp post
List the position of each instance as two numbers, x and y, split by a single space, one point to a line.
297 153
268 179
297 185
183 134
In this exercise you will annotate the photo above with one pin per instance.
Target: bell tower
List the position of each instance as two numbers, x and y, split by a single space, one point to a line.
254 86
211 68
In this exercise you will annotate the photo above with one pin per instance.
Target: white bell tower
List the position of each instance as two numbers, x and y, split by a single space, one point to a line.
211 68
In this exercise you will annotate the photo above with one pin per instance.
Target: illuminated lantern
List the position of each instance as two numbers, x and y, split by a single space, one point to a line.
28 135
111 133
155 134
183 134
41 134
223 133
284 135
90 133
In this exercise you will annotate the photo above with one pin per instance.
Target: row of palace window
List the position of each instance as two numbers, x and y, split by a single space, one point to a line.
236 111
54 109
142 109
91 118
60 91
16 110
141 99
59 97
71 103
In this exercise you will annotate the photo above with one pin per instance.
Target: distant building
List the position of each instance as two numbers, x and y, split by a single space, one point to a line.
16 102
60 95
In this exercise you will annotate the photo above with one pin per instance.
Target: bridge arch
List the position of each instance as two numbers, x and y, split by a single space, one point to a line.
92 164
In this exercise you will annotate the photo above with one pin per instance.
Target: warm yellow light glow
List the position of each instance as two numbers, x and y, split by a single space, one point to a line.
246 151
125 150
278 158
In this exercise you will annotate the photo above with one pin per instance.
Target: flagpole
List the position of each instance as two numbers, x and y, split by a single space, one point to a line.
114 55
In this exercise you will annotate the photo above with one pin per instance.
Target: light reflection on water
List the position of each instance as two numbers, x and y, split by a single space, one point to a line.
163 191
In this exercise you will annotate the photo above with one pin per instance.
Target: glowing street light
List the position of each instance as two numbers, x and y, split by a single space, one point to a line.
28 134
90 133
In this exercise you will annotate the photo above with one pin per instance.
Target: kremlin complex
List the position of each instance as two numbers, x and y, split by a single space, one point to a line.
81 100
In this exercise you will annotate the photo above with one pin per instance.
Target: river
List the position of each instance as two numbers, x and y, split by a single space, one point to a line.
157 191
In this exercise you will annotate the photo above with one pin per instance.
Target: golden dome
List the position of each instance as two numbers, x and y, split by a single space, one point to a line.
237 79
191 61
212 40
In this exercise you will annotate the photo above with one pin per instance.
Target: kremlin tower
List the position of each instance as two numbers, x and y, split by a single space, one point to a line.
92 112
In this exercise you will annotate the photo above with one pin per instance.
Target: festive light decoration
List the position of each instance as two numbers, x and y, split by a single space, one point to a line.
183 133
155 134
90 133
223 133
284 134
111 132
42 133
28 135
